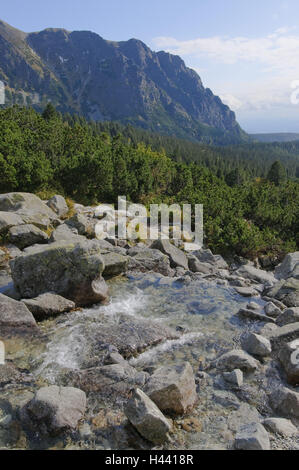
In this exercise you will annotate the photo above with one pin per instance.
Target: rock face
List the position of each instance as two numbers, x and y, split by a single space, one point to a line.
14 314
55 409
289 267
286 291
146 417
252 437
289 358
286 402
281 426
254 274
291 315
27 235
148 259
173 389
237 359
177 257
58 205
30 208
48 305
256 345
8 220
70 269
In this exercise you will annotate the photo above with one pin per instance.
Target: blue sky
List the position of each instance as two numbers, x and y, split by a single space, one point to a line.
246 51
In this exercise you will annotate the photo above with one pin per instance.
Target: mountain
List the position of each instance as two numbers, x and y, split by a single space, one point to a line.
82 73
279 137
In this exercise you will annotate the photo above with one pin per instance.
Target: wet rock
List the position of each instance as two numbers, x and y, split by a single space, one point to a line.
146 417
237 359
26 235
177 257
54 409
234 378
254 274
84 225
58 205
256 345
14 314
252 436
173 389
115 264
281 426
272 310
48 305
148 259
226 399
291 315
11 375
285 401
254 316
8 220
70 269
286 291
289 358
65 233
289 267
246 291
284 334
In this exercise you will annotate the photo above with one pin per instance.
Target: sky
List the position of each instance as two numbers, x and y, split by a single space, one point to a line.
245 51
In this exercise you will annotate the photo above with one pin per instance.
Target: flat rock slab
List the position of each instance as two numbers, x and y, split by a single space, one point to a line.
246 291
254 274
237 359
48 305
253 315
15 314
284 334
281 426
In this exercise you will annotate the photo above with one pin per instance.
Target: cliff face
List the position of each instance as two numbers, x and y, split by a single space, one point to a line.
105 80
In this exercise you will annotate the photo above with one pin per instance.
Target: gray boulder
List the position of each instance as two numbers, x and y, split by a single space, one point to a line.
272 310
206 256
84 225
254 274
8 220
285 401
177 257
289 267
289 358
27 235
237 359
286 291
253 315
246 291
48 305
115 264
65 233
252 436
256 345
146 417
197 266
226 399
58 205
147 259
234 378
281 426
291 315
284 334
72 270
14 314
173 389
54 409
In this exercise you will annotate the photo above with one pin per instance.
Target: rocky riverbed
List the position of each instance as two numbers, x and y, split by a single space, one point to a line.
115 346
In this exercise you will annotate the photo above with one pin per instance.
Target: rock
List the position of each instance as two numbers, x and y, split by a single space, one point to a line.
253 306
115 264
276 302
284 334
58 205
9 374
30 208
272 310
254 274
267 330
146 417
246 291
286 291
289 267
8 220
173 389
147 259
177 257
197 266
206 256
65 233
54 409
84 225
245 414
27 235
281 426
234 378
13 251
70 269
14 313
254 316
291 315
256 345
226 399
252 436
285 401
237 359
48 305
289 358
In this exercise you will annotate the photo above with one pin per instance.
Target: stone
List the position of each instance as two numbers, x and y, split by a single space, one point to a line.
9 375
55 409
234 378
288 316
267 330
289 358
115 264
70 269
14 314
48 305
206 256
289 267
281 426
147 259
254 274
246 291
26 235
252 436
237 359
284 334
286 291
226 399
272 310
84 225
8 220
254 316
65 233
285 401
146 417
177 257
256 345
58 205
253 306
197 266
30 208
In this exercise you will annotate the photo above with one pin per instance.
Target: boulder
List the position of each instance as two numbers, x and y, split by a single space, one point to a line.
146 417
173 389
226 399
253 306
284 334
65 233
289 267
70 269
237 359
252 436
206 256
147 259
291 315
14 314
197 266
26 235
272 310
286 291
246 291
48 305
234 378
115 264
84 225
8 220
254 316
254 274
281 426
54 409
58 205
285 401
289 358
256 345
30 208
177 257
